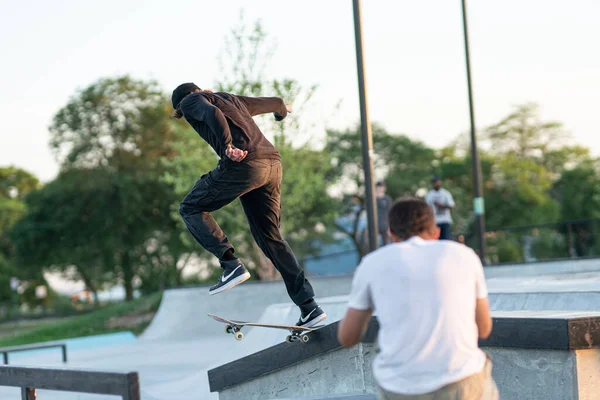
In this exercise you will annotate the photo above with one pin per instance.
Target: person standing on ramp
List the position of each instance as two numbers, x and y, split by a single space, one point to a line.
249 169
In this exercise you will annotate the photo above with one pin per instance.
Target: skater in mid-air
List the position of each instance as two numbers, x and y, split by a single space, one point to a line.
249 169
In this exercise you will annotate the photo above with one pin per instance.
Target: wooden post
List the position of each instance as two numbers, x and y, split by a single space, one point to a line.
28 394
133 387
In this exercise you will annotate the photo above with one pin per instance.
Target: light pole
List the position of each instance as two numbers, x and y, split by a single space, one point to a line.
366 135
478 204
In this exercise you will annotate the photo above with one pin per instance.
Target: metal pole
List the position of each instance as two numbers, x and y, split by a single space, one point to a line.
478 205
367 138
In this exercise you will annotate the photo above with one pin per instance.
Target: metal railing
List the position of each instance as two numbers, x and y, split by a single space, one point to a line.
126 385
574 239
542 242
14 349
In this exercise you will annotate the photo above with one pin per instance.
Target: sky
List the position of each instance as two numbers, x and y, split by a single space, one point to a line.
543 51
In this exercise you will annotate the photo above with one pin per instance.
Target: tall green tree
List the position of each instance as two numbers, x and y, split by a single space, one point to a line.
15 184
518 193
67 229
522 157
118 128
406 163
524 134
578 191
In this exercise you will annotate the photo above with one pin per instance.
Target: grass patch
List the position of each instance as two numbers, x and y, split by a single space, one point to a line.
133 316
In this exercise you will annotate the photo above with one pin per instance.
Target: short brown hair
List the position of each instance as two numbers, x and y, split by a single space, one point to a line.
410 217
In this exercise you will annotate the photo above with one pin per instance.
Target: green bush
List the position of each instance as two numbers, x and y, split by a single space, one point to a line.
509 249
92 323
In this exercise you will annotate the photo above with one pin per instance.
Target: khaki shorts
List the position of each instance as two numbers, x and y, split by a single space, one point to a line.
480 386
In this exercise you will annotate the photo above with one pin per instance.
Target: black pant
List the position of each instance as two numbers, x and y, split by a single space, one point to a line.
257 183
445 231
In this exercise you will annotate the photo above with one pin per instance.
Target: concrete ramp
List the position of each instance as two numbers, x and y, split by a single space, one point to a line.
183 343
549 268
182 314
558 286
177 368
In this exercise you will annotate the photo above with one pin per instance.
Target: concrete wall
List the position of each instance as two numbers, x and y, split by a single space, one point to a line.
535 374
547 374
519 373
340 372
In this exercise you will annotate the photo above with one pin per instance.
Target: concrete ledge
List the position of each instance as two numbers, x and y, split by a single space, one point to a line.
349 397
281 356
531 351
552 330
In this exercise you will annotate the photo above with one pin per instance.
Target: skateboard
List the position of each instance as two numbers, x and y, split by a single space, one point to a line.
234 328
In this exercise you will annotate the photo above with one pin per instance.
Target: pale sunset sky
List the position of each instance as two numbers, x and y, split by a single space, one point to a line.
543 51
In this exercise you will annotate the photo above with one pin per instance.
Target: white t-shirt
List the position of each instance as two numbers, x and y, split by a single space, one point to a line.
424 295
442 215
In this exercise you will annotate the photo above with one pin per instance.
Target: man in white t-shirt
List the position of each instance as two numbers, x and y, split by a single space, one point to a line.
430 298
442 202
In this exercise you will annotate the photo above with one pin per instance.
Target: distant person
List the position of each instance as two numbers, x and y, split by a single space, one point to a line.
442 202
249 169
430 298
384 203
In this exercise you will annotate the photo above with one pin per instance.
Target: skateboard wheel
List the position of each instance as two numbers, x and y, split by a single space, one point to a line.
305 339
228 329
239 336
289 339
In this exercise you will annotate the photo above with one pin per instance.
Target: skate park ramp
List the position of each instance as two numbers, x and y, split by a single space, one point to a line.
182 343
183 312
565 286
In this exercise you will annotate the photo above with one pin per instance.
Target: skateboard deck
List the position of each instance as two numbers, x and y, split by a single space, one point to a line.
234 327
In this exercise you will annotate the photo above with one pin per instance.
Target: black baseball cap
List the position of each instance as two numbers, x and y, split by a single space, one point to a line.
181 91
436 178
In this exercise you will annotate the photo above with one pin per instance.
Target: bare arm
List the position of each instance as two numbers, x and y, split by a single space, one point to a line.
353 326
263 105
483 319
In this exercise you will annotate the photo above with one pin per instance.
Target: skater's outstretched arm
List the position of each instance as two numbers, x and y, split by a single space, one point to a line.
263 105
200 109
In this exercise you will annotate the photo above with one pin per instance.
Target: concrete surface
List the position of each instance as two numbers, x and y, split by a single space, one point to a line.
182 343
542 374
340 372
342 397
568 285
551 268
519 374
